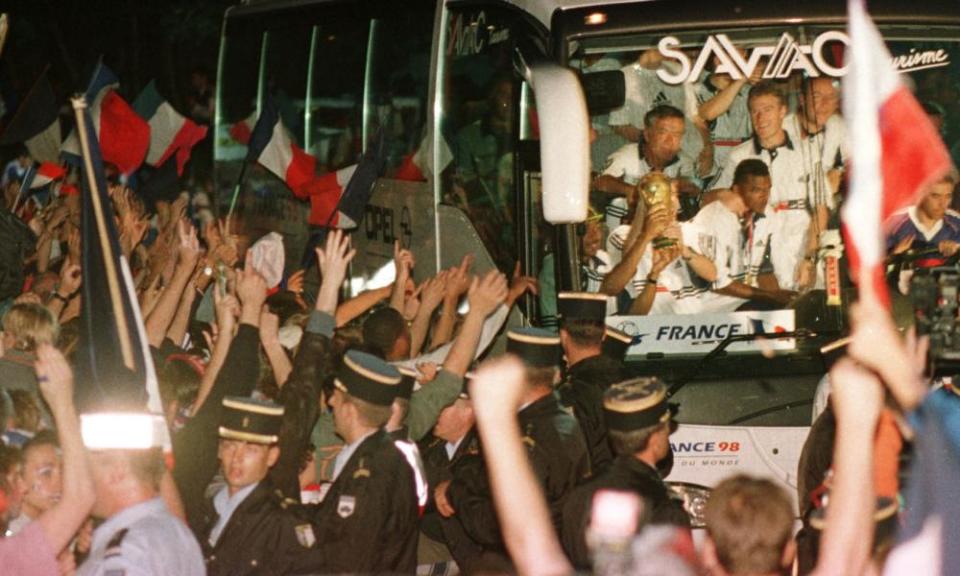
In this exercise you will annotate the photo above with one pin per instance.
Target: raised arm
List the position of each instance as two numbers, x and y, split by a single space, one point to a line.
457 285
524 517
360 303
187 255
61 522
431 295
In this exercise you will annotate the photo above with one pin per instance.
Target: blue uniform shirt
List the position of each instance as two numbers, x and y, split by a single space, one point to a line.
906 223
144 539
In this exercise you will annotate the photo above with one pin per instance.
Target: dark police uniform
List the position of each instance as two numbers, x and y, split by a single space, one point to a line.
631 405
367 521
553 438
582 389
472 535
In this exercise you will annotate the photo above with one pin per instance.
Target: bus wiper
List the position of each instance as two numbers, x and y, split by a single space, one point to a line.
725 343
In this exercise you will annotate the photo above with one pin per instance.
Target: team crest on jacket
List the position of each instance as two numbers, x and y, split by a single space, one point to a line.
345 506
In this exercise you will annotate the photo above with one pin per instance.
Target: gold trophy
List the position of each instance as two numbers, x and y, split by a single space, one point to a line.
655 189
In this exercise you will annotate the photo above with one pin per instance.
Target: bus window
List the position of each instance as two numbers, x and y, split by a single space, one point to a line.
336 92
399 79
480 121
237 84
285 74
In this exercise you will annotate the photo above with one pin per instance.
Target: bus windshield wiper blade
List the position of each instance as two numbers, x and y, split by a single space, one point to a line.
725 343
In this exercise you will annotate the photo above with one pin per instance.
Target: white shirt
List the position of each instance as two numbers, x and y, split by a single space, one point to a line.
225 505
791 177
825 150
738 257
629 165
730 128
345 453
679 290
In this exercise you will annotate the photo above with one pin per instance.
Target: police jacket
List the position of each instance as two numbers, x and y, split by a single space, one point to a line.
582 390
625 474
262 536
557 451
472 534
367 521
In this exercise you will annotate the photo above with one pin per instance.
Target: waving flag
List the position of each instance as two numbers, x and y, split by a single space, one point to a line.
123 135
896 151
46 173
171 134
36 122
271 146
241 130
339 199
114 367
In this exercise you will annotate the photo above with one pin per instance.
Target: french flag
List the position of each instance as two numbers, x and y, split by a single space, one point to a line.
240 131
36 122
123 135
171 134
271 146
896 151
339 199
46 173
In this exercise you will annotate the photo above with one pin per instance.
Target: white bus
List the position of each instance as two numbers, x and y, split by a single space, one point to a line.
483 95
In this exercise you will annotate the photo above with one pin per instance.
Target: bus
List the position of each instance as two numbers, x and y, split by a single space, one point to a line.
509 109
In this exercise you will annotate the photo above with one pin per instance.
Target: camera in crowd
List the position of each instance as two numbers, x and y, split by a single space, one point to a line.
934 293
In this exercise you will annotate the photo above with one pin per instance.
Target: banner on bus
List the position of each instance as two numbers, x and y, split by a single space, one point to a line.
700 333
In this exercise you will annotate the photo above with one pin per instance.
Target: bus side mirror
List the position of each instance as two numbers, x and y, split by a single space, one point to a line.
564 142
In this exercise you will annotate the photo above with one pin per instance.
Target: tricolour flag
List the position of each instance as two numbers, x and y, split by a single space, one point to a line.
123 135
171 134
36 122
338 199
896 151
271 146
114 368
46 173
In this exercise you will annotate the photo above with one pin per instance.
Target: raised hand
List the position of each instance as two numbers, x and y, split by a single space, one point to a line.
459 281
333 260
520 284
487 293
54 377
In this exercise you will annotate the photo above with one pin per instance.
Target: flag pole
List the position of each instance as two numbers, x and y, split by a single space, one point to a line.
25 183
236 188
79 104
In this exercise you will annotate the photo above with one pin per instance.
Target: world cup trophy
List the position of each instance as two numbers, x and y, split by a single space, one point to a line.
655 190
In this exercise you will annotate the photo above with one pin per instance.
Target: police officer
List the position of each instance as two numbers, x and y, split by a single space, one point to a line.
367 520
554 441
588 372
461 524
638 420
139 535
247 527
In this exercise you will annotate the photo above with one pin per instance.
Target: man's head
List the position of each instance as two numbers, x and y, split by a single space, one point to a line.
616 343
638 419
401 404
540 351
581 323
768 108
751 181
249 432
819 100
591 237
936 201
455 420
663 128
26 326
750 527
41 474
122 478
385 333
364 391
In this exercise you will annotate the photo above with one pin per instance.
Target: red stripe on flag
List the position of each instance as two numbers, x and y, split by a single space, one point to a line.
124 135
302 168
241 132
183 142
409 170
913 155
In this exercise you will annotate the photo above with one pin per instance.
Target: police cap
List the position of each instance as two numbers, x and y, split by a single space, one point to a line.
368 378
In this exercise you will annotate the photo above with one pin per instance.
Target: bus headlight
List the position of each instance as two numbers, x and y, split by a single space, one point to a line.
694 498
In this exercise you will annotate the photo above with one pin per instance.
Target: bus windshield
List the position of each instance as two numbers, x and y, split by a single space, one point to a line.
732 247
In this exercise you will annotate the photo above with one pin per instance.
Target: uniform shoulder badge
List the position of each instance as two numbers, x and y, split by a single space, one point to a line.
362 471
345 506
305 535
115 543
